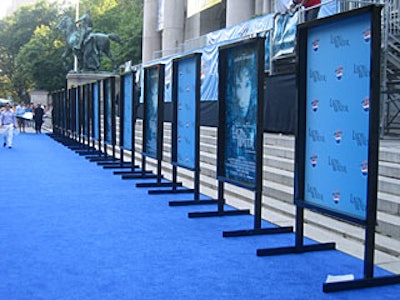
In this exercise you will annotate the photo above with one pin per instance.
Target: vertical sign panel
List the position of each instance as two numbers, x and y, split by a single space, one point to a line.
152 77
336 103
96 122
108 110
239 113
128 110
186 111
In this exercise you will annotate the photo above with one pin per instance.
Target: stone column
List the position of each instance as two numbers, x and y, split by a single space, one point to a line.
151 37
238 11
173 32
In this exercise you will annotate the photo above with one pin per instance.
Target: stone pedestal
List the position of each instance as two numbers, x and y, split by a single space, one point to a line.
75 79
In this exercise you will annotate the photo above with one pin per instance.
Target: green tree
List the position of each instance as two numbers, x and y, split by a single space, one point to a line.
16 30
38 62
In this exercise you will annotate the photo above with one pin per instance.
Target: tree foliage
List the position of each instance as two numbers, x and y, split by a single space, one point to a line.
31 46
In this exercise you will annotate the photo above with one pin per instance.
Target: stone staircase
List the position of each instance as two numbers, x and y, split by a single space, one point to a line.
278 205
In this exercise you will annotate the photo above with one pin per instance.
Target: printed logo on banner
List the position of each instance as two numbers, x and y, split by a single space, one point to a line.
338 106
314 160
365 104
314 104
315 44
360 138
364 168
336 165
315 135
338 134
357 202
339 72
315 193
361 70
367 34
338 41
316 76
336 196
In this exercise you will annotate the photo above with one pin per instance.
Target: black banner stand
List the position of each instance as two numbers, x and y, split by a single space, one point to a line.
196 57
121 164
370 15
159 71
134 170
252 47
109 110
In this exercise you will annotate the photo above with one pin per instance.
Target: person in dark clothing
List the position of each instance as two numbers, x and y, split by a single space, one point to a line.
39 113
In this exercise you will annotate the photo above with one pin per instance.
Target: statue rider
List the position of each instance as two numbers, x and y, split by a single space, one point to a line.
85 27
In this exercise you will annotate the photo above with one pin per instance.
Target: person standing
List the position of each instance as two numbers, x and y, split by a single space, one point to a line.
38 116
8 123
20 111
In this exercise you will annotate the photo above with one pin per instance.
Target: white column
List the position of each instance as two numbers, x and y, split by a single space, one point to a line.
151 37
173 32
238 11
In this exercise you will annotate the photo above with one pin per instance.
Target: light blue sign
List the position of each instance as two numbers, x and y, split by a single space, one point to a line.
337 115
186 107
127 102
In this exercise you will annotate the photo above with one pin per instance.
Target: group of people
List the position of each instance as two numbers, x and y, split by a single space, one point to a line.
11 119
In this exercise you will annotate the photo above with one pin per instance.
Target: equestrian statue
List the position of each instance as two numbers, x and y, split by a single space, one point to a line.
87 46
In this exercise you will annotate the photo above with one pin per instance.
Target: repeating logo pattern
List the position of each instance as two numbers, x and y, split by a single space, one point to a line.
337 115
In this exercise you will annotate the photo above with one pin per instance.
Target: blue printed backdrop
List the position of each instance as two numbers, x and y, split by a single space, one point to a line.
107 111
77 111
151 109
186 102
337 110
128 124
95 95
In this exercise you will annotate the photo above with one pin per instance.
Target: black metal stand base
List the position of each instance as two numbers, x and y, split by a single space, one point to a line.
116 165
259 231
157 184
294 249
192 202
171 191
360 283
134 170
139 175
224 213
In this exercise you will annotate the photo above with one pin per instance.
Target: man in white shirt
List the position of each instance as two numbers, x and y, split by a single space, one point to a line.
8 123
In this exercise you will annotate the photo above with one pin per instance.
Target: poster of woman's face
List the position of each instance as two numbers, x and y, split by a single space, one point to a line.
241 96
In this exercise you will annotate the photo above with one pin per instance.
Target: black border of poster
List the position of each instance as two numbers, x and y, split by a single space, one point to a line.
374 11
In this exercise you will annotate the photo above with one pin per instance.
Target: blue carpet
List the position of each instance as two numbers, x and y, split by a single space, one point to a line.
71 230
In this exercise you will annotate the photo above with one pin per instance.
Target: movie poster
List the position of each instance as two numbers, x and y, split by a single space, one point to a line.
241 94
151 111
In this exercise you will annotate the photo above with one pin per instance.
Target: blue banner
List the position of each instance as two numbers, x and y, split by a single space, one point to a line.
108 111
186 112
95 94
337 115
151 110
128 110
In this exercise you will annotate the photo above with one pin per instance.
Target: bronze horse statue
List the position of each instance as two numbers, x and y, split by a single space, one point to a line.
89 50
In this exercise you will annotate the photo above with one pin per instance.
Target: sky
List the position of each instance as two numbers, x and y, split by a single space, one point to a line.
4 4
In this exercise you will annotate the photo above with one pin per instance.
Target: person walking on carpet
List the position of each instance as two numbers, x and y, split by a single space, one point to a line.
39 113
8 123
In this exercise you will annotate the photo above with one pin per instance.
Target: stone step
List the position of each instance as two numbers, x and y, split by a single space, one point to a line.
389 169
